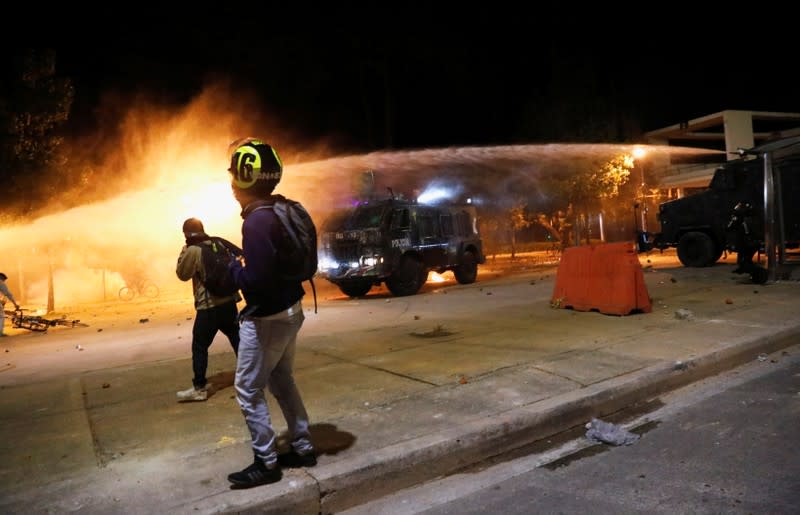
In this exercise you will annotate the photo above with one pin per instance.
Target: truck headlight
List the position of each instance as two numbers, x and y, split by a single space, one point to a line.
371 260
326 263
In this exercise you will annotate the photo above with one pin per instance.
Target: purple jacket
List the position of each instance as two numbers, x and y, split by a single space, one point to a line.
265 293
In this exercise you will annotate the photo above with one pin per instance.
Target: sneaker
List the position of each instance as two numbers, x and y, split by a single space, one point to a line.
193 394
293 460
254 475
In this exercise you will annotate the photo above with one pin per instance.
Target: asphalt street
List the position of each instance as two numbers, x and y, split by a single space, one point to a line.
726 444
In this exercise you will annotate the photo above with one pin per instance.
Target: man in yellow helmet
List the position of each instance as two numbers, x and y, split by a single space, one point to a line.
269 322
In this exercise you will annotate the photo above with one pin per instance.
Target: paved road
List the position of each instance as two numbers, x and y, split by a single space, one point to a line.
729 444
400 390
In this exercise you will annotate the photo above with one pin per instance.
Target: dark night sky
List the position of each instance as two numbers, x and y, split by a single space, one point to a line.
493 79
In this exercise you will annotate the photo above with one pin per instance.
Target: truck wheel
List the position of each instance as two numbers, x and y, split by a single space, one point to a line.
355 288
467 270
696 249
408 278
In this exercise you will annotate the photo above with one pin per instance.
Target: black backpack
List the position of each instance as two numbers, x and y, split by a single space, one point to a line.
297 248
216 258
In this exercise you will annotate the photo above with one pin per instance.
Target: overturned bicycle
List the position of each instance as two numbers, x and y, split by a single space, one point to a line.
20 320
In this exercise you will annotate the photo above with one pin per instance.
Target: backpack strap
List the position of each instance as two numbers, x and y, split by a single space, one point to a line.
200 275
260 204
314 289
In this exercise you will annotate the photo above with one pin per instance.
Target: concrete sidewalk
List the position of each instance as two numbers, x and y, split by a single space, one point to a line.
410 388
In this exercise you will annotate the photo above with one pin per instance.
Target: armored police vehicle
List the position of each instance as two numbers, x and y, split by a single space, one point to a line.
398 242
697 225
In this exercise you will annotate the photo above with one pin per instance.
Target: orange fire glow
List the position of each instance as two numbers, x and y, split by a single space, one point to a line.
433 277
171 165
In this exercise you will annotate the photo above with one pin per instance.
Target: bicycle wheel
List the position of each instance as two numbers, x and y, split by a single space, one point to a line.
39 325
150 290
126 293
33 323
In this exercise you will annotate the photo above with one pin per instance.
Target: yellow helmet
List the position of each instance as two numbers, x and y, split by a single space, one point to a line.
255 166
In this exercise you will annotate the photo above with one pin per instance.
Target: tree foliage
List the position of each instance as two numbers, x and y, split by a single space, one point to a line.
590 186
581 190
520 219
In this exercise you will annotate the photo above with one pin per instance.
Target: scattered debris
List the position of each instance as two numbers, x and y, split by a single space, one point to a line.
416 317
144 320
437 332
672 279
106 385
728 301
680 365
463 380
556 303
762 357
684 314
79 347
606 432
225 441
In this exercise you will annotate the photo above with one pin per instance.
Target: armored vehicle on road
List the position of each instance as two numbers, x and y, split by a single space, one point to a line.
398 242
698 225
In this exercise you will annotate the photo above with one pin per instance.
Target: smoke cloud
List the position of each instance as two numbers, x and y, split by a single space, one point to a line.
159 165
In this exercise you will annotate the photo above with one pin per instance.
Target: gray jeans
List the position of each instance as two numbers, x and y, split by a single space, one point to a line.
266 359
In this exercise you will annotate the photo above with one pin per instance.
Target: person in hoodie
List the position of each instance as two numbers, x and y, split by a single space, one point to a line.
269 322
213 314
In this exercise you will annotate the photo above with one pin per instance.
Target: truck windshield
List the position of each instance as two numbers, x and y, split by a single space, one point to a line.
362 217
368 217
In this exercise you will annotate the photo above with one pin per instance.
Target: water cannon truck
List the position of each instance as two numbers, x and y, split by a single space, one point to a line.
398 242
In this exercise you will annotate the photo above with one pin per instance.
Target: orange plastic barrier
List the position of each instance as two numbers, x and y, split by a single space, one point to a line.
606 277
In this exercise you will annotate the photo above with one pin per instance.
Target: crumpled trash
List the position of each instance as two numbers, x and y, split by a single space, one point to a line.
606 432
